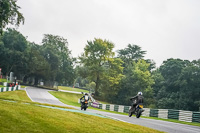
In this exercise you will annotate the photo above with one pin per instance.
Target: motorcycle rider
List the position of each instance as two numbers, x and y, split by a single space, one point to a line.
84 98
136 100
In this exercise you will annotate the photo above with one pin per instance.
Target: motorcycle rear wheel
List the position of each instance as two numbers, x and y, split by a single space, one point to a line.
138 114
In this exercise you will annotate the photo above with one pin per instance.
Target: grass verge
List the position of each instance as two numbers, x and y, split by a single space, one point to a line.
67 98
17 117
72 89
176 121
3 80
19 95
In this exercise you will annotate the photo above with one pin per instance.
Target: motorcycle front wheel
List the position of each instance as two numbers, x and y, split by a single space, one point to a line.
130 112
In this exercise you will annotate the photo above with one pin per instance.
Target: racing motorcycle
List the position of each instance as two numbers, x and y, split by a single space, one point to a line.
138 111
84 104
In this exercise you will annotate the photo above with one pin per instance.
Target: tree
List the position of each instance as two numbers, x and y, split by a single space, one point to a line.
177 85
9 14
57 54
38 67
98 59
138 79
14 44
189 87
131 53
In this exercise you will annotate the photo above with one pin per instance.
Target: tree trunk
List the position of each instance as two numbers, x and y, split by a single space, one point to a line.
25 79
97 86
36 81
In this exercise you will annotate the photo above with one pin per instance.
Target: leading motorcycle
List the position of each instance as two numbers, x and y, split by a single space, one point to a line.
84 104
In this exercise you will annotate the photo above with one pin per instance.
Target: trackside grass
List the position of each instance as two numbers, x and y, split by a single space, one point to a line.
176 121
72 89
3 80
19 118
19 95
67 98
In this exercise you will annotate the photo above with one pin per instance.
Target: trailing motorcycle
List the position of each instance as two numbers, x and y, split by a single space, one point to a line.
138 111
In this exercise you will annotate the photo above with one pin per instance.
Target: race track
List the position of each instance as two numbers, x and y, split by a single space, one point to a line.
43 96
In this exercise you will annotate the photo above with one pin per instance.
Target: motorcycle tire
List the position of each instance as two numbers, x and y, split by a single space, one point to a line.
130 113
138 114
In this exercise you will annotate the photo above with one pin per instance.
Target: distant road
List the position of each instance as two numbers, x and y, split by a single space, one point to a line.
43 96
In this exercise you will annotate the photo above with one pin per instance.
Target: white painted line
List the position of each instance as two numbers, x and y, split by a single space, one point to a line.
28 95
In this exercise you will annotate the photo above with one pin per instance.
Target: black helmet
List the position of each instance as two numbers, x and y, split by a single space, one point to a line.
86 94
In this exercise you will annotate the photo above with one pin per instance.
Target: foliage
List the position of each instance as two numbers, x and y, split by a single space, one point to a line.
174 85
32 63
100 65
177 85
138 79
13 45
57 54
132 52
9 14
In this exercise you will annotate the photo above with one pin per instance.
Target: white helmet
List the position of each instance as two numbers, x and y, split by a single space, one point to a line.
140 93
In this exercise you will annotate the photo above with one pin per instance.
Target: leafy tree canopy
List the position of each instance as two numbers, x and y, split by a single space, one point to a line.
9 14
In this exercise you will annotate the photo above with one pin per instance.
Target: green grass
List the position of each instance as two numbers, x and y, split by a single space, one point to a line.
23 86
78 90
176 121
1 86
19 95
72 89
102 102
67 98
20 118
3 80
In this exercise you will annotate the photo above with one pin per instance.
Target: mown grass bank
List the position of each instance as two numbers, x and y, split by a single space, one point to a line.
3 80
19 95
67 98
72 89
19 118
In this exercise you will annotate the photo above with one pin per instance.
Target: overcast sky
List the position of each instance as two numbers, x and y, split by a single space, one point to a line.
163 28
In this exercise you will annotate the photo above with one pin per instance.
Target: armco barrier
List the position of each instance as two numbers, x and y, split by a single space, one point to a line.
116 107
111 107
146 112
126 109
163 113
173 114
154 113
107 107
181 115
185 116
121 109
196 117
